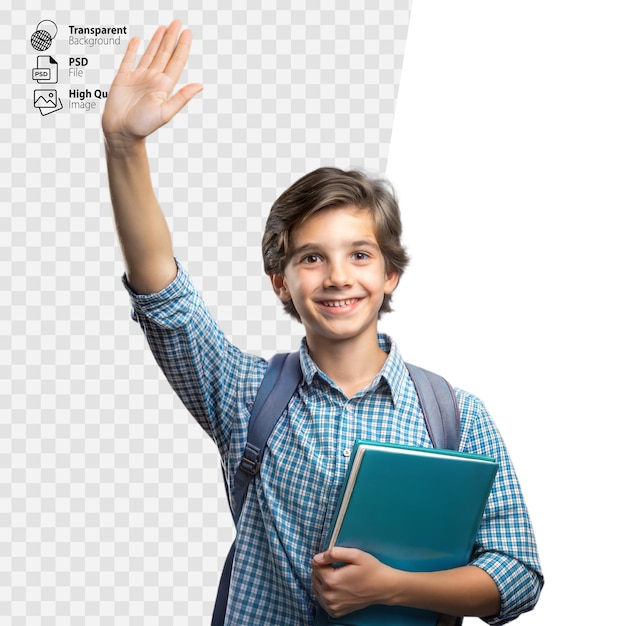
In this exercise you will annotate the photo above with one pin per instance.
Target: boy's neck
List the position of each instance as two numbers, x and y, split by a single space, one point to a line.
351 365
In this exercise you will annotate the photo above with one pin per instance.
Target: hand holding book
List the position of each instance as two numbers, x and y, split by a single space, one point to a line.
403 512
360 580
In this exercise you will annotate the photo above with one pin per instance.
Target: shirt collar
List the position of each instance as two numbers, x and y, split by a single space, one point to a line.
393 372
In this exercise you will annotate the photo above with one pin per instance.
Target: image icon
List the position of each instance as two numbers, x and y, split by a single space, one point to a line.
42 38
47 101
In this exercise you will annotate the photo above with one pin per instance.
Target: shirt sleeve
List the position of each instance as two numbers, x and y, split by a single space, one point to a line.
214 379
505 546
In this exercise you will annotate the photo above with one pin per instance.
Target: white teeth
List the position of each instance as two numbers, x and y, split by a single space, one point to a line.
338 303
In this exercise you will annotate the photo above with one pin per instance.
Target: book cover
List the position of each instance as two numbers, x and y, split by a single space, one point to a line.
415 509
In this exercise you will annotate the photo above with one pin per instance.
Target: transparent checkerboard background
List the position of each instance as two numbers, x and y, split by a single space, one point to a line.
111 502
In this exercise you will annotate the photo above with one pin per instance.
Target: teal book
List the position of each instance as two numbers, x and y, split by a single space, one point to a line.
415 509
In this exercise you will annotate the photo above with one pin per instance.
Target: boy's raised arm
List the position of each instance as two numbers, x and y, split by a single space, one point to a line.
140 102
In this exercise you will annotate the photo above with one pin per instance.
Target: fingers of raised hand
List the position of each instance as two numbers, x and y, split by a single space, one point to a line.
166 52
152 49
178 57
129 56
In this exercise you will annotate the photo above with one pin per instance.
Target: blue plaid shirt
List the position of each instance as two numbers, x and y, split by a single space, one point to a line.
288 509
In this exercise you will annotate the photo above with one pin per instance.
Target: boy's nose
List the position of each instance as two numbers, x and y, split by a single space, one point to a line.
338 275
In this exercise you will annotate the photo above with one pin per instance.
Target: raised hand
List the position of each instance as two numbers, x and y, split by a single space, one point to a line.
140 100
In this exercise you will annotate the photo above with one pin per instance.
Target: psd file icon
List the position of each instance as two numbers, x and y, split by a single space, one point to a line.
47 101
47 70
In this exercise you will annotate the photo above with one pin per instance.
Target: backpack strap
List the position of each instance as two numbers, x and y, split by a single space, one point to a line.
278 386
279 383
439 406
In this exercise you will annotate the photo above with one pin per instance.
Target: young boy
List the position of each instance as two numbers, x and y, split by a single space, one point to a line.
333 253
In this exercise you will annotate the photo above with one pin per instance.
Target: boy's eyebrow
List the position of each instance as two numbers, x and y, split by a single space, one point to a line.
365 243
312 246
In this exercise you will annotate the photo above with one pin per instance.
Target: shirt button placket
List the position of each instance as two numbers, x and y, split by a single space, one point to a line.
348 430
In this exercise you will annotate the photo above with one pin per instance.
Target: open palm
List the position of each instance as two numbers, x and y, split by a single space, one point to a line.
140 100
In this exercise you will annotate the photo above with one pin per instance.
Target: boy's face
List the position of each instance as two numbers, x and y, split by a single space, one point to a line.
336 275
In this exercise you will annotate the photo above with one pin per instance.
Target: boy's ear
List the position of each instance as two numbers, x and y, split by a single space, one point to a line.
279 285
391 282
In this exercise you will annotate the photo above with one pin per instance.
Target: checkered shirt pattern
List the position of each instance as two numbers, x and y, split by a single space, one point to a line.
289 507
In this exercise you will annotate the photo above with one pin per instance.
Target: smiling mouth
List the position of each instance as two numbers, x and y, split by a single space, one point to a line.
338 304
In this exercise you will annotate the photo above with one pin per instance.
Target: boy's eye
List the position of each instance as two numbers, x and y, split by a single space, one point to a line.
311 258
361 256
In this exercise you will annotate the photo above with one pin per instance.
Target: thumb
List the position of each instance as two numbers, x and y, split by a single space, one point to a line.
337 555
323 558
180 99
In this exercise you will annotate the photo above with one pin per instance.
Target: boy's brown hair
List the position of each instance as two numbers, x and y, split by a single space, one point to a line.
329 187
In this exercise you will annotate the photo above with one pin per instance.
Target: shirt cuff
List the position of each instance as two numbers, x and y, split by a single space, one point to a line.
519 586
136 295
172 302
